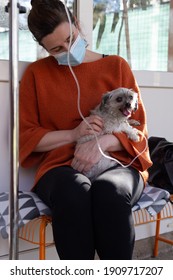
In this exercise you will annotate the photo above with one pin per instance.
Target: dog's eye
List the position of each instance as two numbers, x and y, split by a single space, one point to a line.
119 99
131 97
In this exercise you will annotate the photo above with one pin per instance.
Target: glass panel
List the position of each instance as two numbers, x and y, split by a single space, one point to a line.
29 50
4 40
137 30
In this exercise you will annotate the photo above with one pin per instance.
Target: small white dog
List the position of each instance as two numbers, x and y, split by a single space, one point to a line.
115 110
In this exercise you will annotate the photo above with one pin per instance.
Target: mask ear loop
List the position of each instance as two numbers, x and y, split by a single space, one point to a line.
79 109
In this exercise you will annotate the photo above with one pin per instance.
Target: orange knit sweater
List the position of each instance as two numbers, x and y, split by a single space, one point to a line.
48 102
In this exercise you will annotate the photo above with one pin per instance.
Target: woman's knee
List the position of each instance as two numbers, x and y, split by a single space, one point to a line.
116 186
110 194
110 187
64 187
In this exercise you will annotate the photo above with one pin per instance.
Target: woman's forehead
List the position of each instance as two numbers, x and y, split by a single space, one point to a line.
60 34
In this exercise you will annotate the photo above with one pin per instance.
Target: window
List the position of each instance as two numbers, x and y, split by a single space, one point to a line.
138 30
141 31
29 50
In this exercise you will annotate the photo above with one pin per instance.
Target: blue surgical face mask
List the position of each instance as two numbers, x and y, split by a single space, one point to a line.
76 53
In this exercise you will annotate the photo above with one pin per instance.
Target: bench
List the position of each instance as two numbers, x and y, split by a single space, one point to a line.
34 216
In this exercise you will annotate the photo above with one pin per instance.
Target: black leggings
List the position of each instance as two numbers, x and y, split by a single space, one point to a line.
88 217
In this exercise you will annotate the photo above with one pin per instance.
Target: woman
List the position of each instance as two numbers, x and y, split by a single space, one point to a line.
85 217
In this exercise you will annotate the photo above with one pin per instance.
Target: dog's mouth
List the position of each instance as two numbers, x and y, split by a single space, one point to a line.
126 112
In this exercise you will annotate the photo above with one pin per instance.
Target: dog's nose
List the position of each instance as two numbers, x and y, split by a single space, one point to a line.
128 105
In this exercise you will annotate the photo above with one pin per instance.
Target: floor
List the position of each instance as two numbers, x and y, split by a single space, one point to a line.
163 256
144 249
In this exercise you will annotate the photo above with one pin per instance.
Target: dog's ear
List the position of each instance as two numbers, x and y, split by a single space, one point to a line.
136 106
105 98
136 103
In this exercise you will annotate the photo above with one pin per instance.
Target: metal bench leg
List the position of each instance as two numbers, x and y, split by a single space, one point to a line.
156 245
42 233
158 237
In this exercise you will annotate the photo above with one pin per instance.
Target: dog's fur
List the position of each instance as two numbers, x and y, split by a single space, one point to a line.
115 110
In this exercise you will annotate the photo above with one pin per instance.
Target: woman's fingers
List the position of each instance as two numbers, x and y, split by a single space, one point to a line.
95 120
93 123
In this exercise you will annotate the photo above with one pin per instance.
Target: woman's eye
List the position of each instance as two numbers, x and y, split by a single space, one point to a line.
58 50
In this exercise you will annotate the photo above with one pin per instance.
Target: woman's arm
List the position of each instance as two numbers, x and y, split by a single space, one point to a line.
55 139
110 143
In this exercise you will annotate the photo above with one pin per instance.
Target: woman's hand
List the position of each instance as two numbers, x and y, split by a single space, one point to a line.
87 154
95 123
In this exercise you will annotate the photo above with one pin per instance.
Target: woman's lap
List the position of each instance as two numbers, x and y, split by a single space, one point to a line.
88 216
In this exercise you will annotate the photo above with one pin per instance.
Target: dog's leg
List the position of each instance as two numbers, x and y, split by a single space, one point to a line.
131 132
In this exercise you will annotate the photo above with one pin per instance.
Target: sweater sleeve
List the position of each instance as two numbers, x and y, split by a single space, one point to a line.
30 130
138 150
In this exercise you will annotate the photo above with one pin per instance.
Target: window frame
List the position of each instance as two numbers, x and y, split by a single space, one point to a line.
170 42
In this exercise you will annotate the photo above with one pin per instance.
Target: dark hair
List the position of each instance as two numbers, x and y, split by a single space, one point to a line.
45 16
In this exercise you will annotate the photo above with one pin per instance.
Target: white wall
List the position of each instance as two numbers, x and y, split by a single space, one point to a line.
157 95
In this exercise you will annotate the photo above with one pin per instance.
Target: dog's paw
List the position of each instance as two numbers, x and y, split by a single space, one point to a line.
134 136
133 122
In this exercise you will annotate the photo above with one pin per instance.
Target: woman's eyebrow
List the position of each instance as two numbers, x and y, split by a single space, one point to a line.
68 38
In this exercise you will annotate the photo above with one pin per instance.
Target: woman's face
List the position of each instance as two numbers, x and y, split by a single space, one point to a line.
58 41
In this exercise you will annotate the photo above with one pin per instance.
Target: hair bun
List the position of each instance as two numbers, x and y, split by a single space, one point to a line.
45 2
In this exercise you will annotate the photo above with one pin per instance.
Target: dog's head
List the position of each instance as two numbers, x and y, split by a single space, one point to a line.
120 102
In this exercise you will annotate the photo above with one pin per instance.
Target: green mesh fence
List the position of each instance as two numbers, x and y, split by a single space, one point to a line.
148 29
